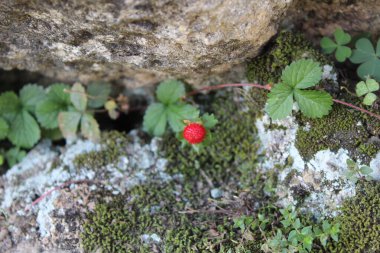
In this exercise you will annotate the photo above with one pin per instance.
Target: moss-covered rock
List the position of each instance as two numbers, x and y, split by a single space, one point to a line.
360 220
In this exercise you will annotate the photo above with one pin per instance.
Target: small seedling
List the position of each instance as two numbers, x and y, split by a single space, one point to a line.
354 172
342 52
368 58
367 88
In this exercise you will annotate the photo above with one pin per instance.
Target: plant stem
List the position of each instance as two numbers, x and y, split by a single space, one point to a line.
268 88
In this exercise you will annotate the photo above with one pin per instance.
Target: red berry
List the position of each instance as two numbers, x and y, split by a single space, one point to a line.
194 133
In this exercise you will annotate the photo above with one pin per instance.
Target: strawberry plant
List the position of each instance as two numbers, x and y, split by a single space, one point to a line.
367 88
342 52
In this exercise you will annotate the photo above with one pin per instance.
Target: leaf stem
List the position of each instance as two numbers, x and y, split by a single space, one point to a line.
268 88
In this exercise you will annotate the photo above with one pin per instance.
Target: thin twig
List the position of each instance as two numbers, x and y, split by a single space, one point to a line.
357 108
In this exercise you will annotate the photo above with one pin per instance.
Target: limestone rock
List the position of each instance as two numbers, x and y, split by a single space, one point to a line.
138 41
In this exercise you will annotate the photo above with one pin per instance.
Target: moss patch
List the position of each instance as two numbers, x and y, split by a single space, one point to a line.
114 146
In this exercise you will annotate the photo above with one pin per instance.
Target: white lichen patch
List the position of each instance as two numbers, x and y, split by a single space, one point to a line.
329 73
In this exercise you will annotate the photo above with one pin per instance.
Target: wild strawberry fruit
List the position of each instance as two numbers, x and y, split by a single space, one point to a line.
194 133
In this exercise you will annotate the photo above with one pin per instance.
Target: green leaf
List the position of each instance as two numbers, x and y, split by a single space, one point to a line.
178 113
364 51
155 119
323 239
9 103
341 37
369 99
372 85
342 53
78 97
378 48
313 103
170 91
1 160
52 134
209 120
68 123
308 242
328 45
370 68
98 94
30 96
361 89
4 129
90 127
24 131
365 170
326 226
56 101
280 101
14 155
302 74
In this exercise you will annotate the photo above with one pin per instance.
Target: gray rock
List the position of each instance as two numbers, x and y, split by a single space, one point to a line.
136 41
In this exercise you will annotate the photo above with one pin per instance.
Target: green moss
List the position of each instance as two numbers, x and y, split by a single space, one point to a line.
360 220
114 146
342 128
287 47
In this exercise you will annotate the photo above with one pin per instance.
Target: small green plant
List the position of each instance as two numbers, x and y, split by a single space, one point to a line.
295 79
355 172
368 58
295 237
173 111
367 88
342 52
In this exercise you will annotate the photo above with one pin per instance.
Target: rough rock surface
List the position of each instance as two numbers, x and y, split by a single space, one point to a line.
138 41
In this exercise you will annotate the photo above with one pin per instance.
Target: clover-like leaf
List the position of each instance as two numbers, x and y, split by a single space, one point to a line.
155 119
55 101
280 101
341 38
177 113
24 130
313 103
366 55
369 99
98 94
328 45
90 127
68 124
78 97
342 53
302 74
366 88
4 128
30 96
170 91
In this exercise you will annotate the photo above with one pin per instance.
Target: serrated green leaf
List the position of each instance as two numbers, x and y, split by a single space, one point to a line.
24 131
14 156
30 96
328 45
280 101
170 91
369 99
155 119
341 37
364 51
4 129
323 240
209 120
56 101
326 226
68 124
302 74
98 94
178 113
342 53
78 97
372 85
9 103
90 127
313 103
361 89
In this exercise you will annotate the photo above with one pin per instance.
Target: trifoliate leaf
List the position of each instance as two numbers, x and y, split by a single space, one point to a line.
78 97
364 51
90 127
280 101
302 74
369 99
4 128
178 113
24 131
30 96
361 89
328 45
209 120
14 156
98 94
170 91
313 103
56 101
342 53
68 124
341 37
155 119
9 103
